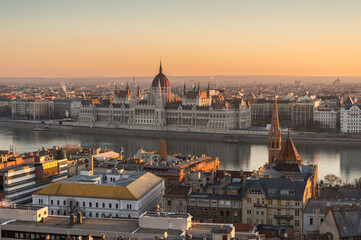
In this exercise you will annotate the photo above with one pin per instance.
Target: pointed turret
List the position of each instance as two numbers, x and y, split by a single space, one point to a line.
274 136
184 89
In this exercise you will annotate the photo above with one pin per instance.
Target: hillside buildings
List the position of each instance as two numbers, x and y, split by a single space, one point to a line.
161 111
105 193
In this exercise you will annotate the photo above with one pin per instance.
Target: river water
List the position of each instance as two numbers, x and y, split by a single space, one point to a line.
341 159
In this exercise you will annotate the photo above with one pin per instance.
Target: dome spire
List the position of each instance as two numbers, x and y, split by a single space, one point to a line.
160 67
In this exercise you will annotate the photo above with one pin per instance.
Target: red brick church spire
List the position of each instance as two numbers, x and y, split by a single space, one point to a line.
274 136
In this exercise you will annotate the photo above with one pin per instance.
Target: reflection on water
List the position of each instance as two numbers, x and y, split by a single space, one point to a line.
343 160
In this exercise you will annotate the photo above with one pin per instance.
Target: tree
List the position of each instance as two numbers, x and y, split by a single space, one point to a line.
72 206
163 150
358 183
332 179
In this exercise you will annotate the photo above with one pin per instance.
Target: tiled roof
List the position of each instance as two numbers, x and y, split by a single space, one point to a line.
135 190
278 184
348 222
289 152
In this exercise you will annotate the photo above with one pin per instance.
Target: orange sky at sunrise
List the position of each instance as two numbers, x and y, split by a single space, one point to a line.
126 38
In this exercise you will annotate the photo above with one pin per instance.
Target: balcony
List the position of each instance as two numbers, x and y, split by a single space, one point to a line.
279 216
260 205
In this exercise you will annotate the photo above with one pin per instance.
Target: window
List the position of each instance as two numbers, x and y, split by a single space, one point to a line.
221 213
192 200
57 202
235 213
40 201
235 203
64 203
227 214
272 192
90 204
262 212
297 203
221 202
257 211
103 205
311 221
169 202
249 200
297 213
288 203
249 211
51 202
96 215
117 206
83 204
228 203
110 205
96 204
129 206
288 212
278 211
297 223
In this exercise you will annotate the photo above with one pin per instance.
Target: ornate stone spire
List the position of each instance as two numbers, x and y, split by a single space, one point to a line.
274 136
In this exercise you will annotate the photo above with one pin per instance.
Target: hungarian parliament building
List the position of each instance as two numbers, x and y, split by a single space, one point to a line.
160 110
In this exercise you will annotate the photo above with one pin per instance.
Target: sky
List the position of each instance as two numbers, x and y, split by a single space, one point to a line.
83 38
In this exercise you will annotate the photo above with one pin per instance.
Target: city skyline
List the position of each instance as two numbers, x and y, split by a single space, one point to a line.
90 38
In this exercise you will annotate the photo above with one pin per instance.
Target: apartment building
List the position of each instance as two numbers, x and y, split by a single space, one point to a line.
261 109
20 177
350 119
32 109
104 193
326 117
302 113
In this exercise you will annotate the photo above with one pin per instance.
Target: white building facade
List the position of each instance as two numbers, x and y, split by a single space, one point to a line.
350 119
160 111
326 117
127 194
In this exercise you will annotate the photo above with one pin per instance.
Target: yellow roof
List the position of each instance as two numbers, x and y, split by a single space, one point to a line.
133 191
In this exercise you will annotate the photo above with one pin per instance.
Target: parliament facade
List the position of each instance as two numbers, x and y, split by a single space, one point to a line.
160 110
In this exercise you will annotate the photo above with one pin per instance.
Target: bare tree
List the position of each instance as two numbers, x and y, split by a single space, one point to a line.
72 206
357 183
332 179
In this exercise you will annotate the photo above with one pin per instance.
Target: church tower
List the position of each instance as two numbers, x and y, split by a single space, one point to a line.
274 136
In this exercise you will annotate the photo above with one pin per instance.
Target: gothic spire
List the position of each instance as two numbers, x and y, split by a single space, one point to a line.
274 135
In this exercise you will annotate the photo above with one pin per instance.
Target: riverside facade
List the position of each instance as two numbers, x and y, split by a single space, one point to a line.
161 111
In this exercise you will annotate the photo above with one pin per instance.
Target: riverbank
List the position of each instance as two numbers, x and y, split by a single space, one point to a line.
231 137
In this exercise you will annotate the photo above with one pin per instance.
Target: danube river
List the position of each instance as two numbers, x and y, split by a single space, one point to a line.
341 159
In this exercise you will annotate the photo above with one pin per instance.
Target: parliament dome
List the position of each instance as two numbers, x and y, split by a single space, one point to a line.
160 79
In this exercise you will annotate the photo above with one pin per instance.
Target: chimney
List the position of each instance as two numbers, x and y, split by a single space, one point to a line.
79 218
72 219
